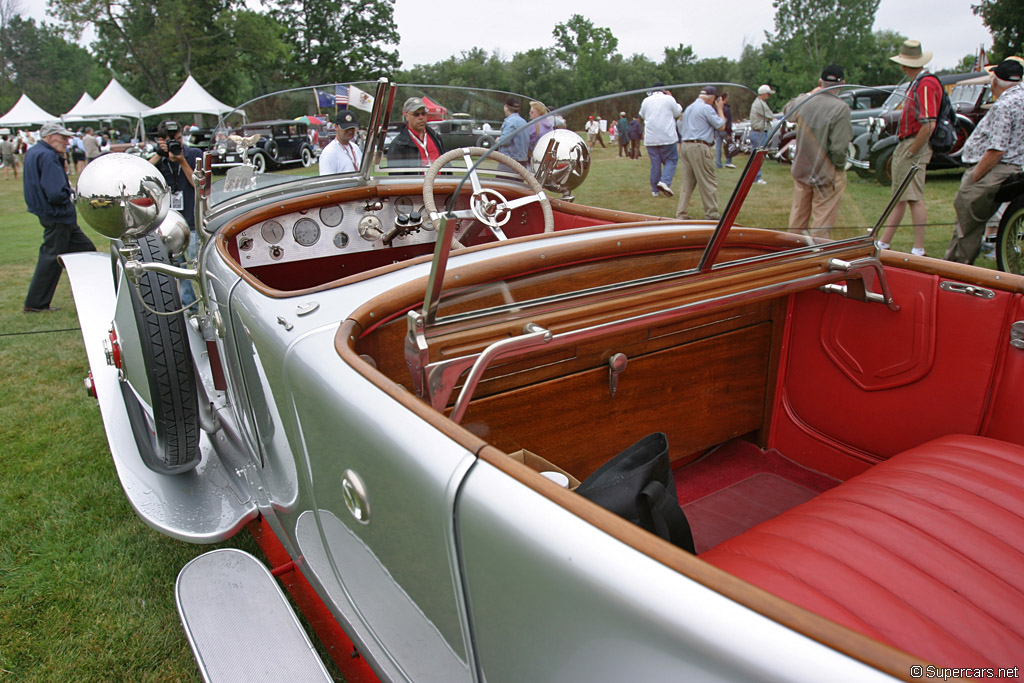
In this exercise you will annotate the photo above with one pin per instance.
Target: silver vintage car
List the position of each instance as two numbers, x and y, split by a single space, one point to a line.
487 424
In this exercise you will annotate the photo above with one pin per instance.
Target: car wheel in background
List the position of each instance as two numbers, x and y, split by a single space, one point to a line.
882 165
485 141
259 162
1010 239
272 149
307 157
168 439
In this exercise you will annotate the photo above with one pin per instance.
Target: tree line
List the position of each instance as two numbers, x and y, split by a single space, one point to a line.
238 53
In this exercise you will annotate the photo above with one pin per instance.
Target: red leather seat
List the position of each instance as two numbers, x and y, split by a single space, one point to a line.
924 552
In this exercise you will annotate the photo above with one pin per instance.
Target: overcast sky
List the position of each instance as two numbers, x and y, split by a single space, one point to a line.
433 31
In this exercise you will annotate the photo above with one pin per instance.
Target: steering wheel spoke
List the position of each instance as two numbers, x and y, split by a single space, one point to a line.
487 205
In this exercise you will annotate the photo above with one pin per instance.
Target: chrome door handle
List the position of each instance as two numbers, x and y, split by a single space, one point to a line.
353 490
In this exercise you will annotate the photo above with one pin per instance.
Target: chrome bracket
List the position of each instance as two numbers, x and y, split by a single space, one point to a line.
417 352
855 287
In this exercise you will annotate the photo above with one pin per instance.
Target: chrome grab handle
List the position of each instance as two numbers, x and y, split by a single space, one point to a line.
1017 335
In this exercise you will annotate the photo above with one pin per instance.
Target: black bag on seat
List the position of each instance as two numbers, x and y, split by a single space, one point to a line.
637 485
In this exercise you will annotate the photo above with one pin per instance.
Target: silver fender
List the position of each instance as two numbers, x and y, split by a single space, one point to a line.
206 505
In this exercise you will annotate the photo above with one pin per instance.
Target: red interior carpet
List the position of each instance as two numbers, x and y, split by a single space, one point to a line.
738 486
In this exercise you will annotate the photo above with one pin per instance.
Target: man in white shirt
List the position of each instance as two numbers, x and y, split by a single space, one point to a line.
659 110
342 155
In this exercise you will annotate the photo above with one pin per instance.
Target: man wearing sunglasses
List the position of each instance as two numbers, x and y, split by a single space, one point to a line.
416 144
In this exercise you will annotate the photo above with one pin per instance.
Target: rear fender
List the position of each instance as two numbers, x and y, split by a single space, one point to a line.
884 143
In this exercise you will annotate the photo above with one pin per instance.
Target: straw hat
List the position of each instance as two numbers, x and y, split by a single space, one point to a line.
912 55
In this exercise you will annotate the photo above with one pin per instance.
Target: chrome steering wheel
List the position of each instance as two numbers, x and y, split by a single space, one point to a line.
487 205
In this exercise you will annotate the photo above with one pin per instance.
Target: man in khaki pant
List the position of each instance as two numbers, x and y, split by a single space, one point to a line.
697 154
994 152
823 135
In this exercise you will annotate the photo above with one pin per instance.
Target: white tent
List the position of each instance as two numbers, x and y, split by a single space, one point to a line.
191 98
74 114
114 101
25 112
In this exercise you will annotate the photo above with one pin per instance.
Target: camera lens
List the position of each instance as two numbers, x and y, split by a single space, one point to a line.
174 147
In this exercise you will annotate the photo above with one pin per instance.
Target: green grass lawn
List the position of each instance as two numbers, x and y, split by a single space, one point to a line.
86 589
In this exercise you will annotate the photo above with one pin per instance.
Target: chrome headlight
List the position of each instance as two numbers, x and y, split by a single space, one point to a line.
121 195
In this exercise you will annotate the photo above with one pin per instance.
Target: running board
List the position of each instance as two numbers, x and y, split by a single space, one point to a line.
239 623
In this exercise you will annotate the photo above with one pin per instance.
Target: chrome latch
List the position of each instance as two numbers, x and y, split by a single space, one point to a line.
963 288
1017 335
616 364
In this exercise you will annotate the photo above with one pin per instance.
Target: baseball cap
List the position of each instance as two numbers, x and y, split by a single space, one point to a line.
53 128
709 90
412 104
1010 69
622 113
765 89
833 73
345 119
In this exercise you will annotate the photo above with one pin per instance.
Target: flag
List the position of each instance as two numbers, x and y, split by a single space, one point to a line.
980 61
324 99
341 95
359 99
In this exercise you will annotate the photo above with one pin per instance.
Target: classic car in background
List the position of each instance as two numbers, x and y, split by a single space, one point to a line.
280 143
396 382
466 132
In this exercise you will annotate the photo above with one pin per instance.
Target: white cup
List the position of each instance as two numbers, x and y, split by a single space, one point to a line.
557 477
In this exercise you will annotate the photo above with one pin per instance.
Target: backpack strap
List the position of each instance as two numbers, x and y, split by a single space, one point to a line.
669 519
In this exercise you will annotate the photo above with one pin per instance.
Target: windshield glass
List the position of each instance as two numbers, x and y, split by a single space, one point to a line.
717 159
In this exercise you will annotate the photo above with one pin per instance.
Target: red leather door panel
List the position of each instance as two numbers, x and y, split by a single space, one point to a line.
863 380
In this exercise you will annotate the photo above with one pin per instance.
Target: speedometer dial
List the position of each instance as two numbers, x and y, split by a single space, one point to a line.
306 232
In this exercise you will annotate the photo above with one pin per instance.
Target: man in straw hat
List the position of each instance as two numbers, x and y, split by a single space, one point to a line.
993 153
916 124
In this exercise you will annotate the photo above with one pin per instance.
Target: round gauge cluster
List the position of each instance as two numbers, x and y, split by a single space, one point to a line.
306 232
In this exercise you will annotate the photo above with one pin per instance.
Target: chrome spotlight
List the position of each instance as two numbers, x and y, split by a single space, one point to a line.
561 161
122 196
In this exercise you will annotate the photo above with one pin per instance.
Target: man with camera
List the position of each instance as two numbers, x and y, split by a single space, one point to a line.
175 163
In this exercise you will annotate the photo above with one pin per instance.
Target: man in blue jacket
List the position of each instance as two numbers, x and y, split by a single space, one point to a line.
48 196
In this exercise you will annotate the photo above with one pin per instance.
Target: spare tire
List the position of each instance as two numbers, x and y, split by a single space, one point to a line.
169 441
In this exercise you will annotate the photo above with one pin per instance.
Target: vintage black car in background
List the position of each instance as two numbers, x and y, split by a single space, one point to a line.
281 143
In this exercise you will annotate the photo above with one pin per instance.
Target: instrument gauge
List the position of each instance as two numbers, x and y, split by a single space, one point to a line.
370 228
341 240
331 215
403 206
306 232
272 232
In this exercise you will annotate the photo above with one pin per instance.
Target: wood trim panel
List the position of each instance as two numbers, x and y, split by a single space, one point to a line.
700 394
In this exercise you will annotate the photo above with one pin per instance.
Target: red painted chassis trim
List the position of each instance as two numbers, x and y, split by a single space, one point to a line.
341 648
